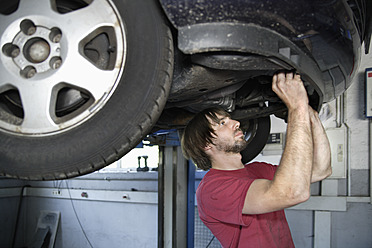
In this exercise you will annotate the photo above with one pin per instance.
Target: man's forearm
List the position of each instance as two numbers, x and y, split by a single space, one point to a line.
294 172
322 151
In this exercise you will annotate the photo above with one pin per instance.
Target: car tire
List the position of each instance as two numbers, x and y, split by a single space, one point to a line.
129 111
258 132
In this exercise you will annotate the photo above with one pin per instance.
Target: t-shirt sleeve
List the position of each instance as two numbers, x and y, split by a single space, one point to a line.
262 170
223 198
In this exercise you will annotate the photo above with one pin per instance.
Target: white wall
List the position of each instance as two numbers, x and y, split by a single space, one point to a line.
106 221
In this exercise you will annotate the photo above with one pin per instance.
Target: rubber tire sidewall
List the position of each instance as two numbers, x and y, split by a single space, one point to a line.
259 141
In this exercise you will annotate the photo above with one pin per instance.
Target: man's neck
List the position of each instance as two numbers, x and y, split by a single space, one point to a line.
227 161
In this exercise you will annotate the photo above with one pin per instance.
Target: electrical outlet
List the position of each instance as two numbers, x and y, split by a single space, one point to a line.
56 192
338 139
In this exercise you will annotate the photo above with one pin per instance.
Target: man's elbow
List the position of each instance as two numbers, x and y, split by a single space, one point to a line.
326 173
303 197
321 174
299 196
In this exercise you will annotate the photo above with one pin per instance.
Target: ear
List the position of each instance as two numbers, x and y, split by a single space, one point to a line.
207 148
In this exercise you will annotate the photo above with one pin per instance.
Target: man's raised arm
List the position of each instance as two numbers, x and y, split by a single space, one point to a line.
291 183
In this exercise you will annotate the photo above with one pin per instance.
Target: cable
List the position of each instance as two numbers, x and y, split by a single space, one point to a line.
60 185
210 242
18 214
77 217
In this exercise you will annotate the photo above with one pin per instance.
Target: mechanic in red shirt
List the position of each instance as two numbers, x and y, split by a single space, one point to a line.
243 205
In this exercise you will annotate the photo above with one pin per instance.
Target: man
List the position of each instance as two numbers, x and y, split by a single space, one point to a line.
243 204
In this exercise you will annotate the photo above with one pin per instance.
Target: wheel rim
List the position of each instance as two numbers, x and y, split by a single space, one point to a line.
59 64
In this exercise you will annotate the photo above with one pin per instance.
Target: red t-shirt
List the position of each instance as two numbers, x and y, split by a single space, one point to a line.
220 196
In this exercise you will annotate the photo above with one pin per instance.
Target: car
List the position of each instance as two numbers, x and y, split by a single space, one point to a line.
82 82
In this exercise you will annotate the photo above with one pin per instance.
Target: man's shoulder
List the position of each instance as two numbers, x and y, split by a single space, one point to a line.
215 179
257 163
261 170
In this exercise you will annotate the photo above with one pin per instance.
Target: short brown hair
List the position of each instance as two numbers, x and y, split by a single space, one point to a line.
198 134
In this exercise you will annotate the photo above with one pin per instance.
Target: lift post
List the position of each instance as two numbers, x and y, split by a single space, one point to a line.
176 194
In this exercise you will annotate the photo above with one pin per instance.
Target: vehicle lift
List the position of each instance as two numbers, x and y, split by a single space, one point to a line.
176 192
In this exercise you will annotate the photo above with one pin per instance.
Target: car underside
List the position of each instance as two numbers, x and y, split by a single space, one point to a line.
218 54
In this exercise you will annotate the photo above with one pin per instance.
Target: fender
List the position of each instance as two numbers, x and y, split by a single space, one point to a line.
325 36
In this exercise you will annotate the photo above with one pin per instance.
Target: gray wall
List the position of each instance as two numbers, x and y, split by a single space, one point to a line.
106 221
352 228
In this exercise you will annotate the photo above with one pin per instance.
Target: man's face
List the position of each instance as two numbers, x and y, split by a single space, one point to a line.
229 137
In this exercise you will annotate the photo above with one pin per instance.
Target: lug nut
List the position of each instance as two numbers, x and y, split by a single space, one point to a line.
31 30
28 27
28 72
57 38
55 62
55 35
15 52
11 50
31 73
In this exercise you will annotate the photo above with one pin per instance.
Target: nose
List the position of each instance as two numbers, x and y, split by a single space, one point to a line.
236 124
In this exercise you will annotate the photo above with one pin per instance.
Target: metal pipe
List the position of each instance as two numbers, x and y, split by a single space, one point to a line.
348 148
370 160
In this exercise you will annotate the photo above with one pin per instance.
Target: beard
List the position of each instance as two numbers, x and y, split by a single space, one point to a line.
236 147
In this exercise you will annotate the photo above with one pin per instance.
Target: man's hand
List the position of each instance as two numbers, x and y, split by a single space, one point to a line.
290 89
